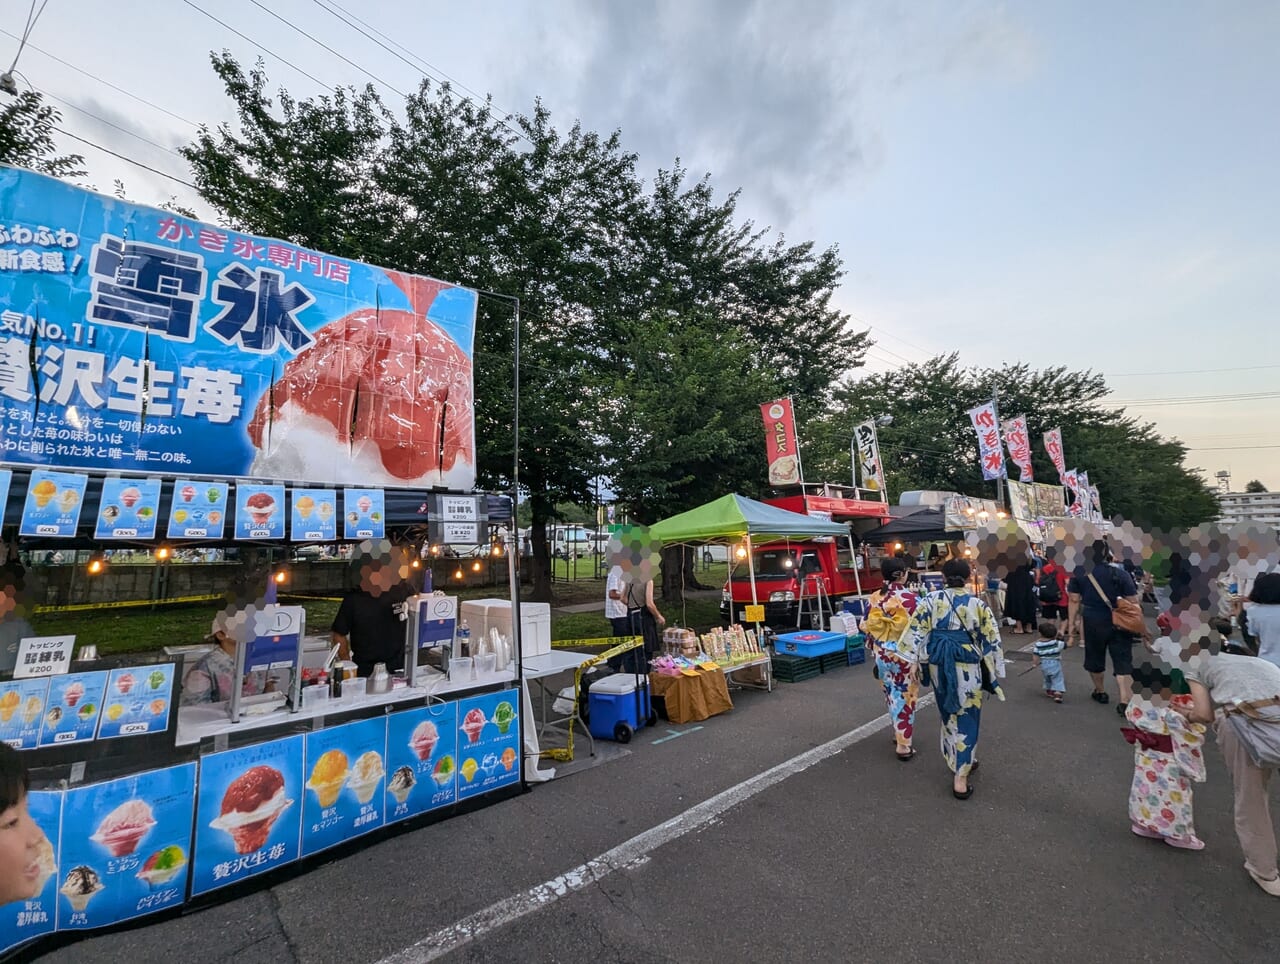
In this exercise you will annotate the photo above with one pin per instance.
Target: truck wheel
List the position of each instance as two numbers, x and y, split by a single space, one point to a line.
622 733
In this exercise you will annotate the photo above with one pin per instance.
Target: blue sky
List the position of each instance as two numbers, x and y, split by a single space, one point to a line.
1083 183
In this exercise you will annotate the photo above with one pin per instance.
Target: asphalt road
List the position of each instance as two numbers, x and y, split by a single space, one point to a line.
855 858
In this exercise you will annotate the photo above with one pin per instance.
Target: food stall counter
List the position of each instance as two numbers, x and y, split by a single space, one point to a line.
200 722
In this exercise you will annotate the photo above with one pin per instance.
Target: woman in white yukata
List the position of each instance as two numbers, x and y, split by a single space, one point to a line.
957 639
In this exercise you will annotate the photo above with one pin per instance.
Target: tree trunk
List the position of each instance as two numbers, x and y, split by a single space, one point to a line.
672 572
540 564
690 569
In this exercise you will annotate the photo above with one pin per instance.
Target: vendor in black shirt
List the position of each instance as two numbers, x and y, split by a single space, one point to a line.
369 626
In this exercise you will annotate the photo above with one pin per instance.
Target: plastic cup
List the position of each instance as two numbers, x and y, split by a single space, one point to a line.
486 665
460 669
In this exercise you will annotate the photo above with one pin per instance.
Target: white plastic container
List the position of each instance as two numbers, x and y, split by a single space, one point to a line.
483 614
535 625
486 666
354 689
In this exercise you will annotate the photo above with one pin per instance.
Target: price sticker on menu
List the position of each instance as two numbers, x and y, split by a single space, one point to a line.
43 656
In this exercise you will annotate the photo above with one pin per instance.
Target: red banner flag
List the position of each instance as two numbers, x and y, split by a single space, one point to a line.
1019 445
1053 445
780 442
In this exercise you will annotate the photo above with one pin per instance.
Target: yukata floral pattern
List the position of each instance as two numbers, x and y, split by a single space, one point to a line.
935 612
1160 796
895 656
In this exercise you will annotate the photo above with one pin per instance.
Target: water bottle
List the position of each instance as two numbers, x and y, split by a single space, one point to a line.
464 639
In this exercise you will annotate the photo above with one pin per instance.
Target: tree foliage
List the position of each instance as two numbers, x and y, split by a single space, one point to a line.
1255 485
26 137
654 320
931 445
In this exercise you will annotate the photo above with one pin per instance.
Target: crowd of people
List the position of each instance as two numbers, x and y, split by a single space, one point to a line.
1192 677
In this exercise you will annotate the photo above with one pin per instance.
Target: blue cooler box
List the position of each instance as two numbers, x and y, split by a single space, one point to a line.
809 644
858 605
614 709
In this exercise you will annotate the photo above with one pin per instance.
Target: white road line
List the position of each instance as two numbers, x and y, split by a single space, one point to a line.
628 854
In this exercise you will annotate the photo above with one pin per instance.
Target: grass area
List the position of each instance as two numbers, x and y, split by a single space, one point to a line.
136 631
699 613
148 630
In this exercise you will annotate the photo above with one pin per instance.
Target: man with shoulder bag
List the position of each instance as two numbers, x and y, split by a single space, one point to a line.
1103 602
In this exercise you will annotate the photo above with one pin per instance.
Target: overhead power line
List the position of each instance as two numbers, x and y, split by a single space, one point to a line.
105 83
259 46
1195 400
1195 371
128 160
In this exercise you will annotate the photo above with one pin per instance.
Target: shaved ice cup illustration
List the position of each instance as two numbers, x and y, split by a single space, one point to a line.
325 511
80 887
402 784
328 777
68 500
9 704
473 723
188 493
43 492
443 772
162 866
424 739
504 715
251 806
508 759
366 775
261 508
130 497
124 827
305 506
364 505
469 768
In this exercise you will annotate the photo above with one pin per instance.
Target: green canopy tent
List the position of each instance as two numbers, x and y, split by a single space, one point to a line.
734 518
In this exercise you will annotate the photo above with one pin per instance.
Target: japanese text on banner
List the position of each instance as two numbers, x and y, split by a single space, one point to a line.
990 453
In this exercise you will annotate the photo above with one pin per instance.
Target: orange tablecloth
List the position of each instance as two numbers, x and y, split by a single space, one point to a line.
692 698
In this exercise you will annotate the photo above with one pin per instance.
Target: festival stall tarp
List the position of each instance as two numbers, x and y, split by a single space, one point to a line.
732 517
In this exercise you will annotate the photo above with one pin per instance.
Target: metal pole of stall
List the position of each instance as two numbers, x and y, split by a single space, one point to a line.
513 562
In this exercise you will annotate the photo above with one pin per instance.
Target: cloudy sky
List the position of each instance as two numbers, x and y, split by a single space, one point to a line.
1081 183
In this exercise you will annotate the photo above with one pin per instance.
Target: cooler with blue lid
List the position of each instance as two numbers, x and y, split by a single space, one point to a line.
617 706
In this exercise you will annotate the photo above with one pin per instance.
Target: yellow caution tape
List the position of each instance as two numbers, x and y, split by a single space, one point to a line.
619 646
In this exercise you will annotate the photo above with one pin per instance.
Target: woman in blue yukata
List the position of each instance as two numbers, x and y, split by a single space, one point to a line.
958 644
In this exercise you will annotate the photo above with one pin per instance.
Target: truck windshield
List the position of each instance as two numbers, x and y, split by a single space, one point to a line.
769 562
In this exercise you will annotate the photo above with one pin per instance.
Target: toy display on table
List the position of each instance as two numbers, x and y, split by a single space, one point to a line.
680 642
733 645
683 665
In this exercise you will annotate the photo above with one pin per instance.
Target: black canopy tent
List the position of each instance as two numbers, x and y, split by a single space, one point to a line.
924 525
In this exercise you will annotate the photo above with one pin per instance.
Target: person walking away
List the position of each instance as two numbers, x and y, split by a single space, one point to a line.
1091 596
956 637
1020 597
1053 588
1262 616
1048 656
1168 755
888 629
1249 688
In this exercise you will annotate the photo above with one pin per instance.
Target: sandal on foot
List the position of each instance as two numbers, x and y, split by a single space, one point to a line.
1191 842
904 757
965 795
1057 697
1142 831
1100 697
1121 708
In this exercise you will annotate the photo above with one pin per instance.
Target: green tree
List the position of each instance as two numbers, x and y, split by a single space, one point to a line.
27 126
1255 485
931 445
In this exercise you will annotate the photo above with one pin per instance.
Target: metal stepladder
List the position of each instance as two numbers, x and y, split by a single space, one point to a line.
814 601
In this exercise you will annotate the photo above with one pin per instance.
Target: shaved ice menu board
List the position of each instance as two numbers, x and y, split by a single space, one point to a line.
52 506
488 743
71 712
198 509
137 701
128 509
22 708
125 847
250 813
346 767
422 760
120 849
25 920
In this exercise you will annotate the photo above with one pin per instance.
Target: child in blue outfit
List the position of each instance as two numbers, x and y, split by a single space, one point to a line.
1048 656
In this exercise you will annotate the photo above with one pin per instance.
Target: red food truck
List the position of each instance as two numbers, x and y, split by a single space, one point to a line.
801 582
